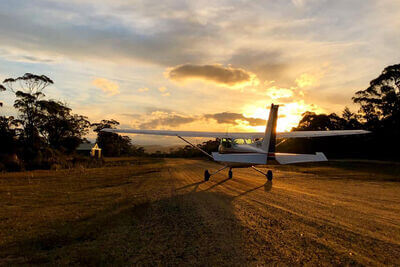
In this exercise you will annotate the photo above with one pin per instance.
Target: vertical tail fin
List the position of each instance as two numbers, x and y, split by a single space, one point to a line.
269 141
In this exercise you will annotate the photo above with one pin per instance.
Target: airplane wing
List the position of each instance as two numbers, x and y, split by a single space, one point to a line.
306 134
253 135
188 133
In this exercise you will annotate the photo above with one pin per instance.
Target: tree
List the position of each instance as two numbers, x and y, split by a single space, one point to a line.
320 122
2 88
28 90
8 135
351 119
60 128
45 123
112 144
380 102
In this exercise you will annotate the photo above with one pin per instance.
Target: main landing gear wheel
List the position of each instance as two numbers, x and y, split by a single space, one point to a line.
206 176
269 175
230 174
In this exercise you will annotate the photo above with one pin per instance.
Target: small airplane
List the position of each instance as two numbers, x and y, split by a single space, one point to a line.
249 149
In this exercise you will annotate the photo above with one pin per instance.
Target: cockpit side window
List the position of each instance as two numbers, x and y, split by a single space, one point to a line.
226 142
239 141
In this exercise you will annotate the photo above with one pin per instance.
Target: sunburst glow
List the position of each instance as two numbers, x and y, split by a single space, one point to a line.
289 115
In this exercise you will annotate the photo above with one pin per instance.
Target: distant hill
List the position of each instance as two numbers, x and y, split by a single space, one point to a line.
155 148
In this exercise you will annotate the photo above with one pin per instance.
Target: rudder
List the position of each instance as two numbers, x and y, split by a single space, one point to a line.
269 141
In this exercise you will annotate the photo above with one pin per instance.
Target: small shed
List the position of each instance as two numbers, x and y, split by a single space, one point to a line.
89 148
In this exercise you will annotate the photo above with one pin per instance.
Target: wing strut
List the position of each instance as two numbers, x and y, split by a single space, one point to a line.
198 148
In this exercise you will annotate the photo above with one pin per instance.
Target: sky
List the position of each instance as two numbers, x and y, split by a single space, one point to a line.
199 65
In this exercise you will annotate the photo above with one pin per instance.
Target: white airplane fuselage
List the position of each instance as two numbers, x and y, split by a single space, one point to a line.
244 148
226 148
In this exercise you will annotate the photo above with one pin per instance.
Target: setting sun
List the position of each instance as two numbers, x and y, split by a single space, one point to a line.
289 115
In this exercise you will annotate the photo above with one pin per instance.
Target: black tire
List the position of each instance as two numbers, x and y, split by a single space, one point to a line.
230 174
269 175
206 176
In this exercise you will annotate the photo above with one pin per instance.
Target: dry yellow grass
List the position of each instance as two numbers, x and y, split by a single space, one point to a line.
149 211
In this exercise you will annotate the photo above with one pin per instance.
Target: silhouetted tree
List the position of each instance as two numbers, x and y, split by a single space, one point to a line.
28 90
380 102
60 128
320 122
45 123
8 135
112 144
2 88
332 146
351 119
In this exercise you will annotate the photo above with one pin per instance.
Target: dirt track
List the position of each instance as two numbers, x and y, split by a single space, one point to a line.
298 218
163 213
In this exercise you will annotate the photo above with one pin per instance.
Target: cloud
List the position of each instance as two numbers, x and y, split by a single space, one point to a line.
160 119
108 87
144 89
306 80
267 64
166 119
234 119
164 91
275 92
119 31
216 73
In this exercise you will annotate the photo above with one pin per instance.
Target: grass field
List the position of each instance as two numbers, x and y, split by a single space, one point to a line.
155 211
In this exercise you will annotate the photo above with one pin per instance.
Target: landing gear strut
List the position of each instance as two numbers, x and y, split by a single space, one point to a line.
207 174
269 174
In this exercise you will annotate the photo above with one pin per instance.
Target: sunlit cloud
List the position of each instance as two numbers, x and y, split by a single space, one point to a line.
234 119
108 87
143 89
307 80
275 92
215 73
165 119
164 91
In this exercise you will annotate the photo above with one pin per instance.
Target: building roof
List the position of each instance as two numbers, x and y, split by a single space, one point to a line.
85 146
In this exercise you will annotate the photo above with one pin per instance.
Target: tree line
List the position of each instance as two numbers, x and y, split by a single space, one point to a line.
379 112
46 131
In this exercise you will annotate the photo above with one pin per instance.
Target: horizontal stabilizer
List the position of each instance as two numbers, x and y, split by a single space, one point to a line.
287 158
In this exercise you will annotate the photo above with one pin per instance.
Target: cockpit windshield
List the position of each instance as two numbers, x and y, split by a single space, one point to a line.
242 141
228 142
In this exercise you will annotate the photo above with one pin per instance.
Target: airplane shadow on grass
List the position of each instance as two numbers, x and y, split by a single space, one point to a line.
267 187
194 185
195 228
